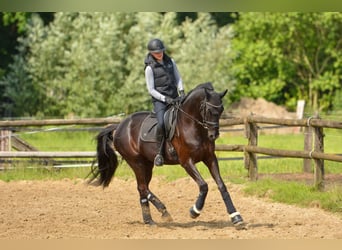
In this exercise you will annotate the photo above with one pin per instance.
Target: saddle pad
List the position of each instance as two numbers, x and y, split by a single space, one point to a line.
148 130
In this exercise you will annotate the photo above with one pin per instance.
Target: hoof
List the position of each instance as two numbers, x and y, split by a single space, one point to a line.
150 223
238 221
240 226
167 217
194 213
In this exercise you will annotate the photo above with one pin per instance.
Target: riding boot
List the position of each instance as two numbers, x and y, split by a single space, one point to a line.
159 159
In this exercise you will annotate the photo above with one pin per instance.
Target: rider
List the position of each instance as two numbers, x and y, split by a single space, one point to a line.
164 84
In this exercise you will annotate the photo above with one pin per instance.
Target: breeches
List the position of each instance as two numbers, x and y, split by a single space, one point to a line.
160 108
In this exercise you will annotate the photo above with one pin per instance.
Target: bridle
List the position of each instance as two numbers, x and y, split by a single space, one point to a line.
203 110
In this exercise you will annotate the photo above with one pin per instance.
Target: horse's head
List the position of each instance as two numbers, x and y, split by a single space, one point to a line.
204 106
211 109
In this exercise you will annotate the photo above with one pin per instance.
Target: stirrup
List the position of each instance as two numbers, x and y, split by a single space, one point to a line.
159 160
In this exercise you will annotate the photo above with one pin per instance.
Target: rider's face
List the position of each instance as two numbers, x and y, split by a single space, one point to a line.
158 55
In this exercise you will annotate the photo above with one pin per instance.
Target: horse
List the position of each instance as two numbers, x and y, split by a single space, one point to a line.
193 141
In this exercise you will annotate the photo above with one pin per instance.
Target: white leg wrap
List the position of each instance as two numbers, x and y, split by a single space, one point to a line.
196 210
234 214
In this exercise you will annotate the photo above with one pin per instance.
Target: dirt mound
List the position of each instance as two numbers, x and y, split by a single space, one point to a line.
259 107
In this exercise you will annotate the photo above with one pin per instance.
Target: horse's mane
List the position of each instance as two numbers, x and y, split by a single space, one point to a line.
206 85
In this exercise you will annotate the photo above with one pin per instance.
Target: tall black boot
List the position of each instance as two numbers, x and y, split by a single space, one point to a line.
159 159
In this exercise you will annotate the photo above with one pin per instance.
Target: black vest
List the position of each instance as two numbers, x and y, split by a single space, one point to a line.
164 78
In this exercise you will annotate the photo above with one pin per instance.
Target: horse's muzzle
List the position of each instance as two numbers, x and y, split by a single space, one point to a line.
213 134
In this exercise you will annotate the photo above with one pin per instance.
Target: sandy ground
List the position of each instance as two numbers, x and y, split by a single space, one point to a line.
69 209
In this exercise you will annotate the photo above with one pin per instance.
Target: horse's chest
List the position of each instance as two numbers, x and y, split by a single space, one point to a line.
202 148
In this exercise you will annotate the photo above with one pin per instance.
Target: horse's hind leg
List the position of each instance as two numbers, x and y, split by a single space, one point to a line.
143 173
155 200
146 213
144 201
160 206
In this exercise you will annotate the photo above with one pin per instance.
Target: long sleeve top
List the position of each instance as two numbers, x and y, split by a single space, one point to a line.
150 82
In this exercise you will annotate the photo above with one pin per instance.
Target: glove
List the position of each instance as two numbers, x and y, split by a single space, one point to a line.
169 100
182 95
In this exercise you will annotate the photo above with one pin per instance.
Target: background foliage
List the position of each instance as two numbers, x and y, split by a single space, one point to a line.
284 57
91 64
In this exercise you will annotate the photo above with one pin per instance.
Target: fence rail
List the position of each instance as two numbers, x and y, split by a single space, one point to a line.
305 122
280 152
39 154
314 125
85 121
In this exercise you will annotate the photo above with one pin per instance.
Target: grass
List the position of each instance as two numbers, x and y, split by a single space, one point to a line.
61 141
290 192
297 194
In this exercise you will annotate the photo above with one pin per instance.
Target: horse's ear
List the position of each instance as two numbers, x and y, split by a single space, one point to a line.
222 94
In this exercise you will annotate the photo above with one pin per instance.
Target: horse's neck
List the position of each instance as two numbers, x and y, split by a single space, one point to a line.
190 122
192 107
191 111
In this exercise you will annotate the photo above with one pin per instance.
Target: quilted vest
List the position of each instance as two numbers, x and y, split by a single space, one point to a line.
164 79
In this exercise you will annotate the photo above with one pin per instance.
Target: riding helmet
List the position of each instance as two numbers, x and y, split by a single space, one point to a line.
155 45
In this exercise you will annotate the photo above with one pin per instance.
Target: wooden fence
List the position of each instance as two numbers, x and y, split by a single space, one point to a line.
314 124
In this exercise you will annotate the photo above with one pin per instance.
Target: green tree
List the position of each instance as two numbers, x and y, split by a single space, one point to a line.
14 96
148 25
80 58
92 64
20 97
12 25
284 57
201 52
197 45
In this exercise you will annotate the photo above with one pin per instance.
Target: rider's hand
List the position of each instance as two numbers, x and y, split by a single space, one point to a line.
169 100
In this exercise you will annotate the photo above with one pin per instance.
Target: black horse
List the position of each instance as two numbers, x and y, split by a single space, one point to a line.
193 140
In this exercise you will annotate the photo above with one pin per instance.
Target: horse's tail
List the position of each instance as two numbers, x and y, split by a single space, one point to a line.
107 161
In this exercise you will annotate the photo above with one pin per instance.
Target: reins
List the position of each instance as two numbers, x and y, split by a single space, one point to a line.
191 117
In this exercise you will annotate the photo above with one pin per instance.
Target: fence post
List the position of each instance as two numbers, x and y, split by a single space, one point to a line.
251 131
307 163
319 163
5 143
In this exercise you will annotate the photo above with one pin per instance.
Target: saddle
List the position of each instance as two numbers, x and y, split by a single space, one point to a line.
148 132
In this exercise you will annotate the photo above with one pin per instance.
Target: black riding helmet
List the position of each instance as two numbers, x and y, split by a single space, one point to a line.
155 45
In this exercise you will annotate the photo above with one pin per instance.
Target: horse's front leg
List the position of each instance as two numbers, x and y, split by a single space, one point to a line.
234 215
191 169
